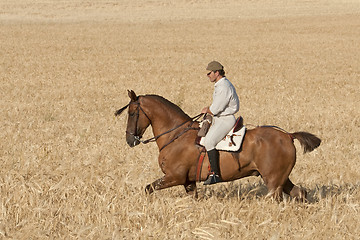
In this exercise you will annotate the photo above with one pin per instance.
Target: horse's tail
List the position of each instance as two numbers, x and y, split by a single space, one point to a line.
307 140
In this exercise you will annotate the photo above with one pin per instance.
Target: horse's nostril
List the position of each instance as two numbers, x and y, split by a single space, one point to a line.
133 142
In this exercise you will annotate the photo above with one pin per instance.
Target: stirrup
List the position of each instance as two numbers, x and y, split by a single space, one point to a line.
212 179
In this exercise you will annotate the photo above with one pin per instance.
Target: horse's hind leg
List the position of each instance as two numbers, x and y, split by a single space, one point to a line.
275 185
276 193
295 191
190 188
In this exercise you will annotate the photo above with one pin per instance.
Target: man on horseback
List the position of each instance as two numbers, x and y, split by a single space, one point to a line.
225 104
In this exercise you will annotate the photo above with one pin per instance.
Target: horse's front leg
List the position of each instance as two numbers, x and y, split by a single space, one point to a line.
190 188
156 185
162 183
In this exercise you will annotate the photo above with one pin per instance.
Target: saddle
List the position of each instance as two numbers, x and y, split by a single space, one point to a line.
231 142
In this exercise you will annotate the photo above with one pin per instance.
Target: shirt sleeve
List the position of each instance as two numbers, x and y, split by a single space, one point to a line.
220 100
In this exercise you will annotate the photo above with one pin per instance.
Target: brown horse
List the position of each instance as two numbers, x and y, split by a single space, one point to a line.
265 151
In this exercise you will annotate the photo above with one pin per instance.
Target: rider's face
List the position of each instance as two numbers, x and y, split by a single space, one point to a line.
213 76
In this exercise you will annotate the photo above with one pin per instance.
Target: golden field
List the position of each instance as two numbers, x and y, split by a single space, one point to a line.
66 170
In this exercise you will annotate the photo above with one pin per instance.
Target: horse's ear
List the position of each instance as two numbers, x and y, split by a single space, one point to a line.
132 95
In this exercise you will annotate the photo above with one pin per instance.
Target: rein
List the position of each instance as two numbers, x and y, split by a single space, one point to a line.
153 139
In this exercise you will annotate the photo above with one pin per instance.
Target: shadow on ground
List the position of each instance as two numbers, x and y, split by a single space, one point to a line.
258 190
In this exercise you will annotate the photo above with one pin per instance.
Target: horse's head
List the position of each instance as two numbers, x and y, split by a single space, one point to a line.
137 122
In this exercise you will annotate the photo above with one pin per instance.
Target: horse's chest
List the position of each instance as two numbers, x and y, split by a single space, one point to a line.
162 163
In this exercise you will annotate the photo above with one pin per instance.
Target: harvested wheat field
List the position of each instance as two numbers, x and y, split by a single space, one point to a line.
66 169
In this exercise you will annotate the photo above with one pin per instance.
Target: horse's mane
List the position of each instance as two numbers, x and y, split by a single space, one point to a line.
166 102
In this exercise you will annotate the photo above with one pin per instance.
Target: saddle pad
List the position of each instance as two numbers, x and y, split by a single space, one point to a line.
231 142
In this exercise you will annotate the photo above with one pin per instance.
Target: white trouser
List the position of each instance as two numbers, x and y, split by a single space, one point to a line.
219 128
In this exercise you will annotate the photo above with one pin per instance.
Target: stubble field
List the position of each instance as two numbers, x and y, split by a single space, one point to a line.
66 171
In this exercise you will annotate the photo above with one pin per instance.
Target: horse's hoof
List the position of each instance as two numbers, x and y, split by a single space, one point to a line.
149 189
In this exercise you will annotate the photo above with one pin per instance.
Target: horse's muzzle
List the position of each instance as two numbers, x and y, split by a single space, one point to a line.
132 140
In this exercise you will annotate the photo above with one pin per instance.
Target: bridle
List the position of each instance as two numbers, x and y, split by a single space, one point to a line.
153 139
135 134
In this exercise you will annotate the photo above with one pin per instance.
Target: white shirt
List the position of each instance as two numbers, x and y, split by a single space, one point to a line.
225 100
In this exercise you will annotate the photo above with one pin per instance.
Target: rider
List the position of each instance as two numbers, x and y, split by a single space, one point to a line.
225 104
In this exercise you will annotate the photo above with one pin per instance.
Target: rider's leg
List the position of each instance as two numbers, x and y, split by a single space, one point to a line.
218 130
215 176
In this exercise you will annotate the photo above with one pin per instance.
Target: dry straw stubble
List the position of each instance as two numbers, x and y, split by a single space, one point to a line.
66 171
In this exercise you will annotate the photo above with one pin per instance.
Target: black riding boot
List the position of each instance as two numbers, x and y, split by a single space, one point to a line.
214 177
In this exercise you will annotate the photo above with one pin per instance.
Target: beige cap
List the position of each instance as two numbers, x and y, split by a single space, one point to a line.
214 66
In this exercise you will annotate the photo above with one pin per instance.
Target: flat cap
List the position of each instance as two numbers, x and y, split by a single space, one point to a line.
214 66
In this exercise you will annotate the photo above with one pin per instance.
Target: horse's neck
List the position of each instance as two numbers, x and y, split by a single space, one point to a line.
164 115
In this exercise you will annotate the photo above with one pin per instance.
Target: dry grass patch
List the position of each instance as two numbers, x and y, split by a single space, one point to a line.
66 171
